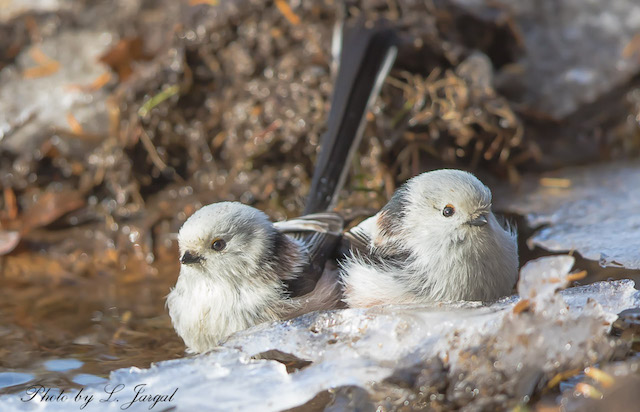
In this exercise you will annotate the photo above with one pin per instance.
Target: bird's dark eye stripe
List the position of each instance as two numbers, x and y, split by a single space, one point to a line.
448 211
218 245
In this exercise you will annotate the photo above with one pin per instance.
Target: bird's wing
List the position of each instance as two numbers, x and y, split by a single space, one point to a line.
384 249
319 234
327 222
359 237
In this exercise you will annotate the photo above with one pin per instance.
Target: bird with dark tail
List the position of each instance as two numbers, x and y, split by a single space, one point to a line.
239 269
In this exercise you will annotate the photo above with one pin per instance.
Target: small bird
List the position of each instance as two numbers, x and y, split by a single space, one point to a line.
436 240
239 269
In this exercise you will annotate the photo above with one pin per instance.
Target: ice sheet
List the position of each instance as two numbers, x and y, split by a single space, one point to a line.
592 210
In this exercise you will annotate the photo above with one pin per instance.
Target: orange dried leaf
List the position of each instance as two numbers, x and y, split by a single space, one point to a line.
555 182
46 66
286 11
39 57
577 276
41 71
588 391
75 126
95 85
521 306
600 376
562 376
553 280
256 111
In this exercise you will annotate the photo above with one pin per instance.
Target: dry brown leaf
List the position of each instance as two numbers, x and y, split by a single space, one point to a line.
95 85
600 376
121 56
286 11
49 207
521 306
74 124
46 65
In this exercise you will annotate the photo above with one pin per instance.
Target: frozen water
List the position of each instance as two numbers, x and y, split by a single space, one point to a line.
493 348
540 278
594 211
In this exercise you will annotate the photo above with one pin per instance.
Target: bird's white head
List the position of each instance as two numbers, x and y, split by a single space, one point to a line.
227 241
445 206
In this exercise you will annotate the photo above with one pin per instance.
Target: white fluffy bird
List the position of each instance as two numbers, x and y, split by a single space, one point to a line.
436 240
239 269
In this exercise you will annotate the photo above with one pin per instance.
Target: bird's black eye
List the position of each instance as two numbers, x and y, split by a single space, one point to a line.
218 244
448 211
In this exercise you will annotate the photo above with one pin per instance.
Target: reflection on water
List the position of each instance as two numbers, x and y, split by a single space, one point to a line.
8 379
84 379
61 365
66 330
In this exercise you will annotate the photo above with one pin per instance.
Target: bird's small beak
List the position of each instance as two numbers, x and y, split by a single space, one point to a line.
189 258
478 221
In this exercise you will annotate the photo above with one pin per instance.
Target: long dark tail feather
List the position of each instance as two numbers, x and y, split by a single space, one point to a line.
365 60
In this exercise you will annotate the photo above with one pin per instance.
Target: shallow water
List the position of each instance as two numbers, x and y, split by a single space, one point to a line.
71 330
